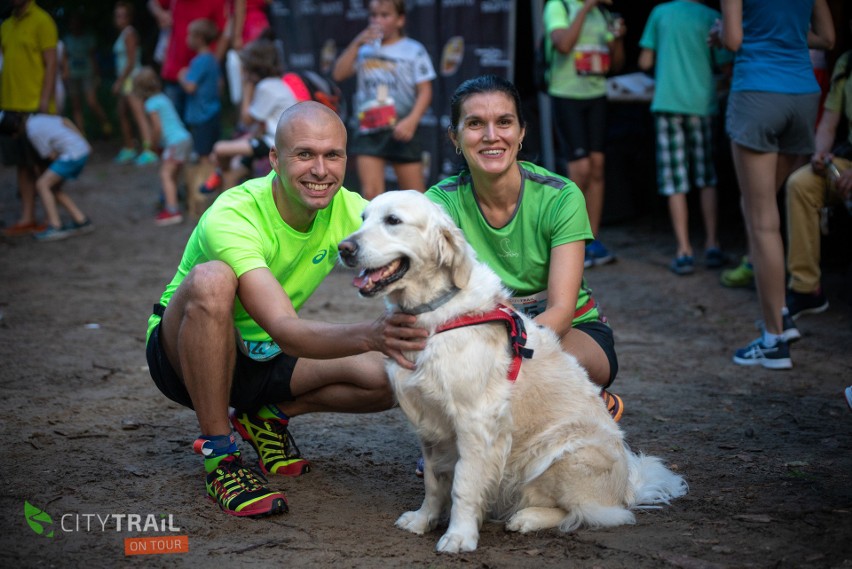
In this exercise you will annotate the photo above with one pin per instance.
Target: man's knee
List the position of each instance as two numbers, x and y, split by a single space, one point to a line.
805 186
210 287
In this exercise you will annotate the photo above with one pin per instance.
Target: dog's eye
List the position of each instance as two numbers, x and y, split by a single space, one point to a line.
393 220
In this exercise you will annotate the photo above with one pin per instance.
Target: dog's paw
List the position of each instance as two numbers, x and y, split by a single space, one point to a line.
456 542
520 523
415 522
534 519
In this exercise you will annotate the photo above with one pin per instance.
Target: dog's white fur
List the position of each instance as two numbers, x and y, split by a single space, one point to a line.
541 452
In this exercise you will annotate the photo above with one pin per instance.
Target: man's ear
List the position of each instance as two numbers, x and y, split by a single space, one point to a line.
273 159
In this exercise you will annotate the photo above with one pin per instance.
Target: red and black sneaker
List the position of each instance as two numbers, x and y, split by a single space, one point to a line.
271 439
240 491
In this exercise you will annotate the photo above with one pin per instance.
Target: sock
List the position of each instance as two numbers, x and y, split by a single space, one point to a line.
215 448
271 411
770 340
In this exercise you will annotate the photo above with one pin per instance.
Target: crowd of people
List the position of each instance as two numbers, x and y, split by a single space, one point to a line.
252 262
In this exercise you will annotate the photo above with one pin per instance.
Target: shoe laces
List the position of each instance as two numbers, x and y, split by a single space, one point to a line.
234 473
282 438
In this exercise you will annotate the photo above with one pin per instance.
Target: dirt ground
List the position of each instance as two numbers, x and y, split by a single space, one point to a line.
768 455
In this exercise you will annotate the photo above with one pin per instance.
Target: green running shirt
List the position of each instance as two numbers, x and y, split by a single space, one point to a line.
244 229
551 212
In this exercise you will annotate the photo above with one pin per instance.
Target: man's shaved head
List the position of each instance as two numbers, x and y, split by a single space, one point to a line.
309 112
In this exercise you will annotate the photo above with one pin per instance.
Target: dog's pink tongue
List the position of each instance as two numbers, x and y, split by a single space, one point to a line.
361 280
365 278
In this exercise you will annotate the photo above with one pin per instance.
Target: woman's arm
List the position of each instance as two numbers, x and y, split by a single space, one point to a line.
821 34
563 287
732 24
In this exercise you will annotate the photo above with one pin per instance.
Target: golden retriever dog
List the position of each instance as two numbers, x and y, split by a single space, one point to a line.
538 452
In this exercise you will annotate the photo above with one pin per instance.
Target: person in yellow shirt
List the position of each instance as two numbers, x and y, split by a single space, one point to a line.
28 40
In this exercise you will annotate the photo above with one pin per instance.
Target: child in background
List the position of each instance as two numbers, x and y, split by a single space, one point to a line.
200 81
82 79
58 141
172 136
394 90
269 96
128 59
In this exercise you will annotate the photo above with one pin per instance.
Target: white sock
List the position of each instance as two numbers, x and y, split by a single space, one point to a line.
769 340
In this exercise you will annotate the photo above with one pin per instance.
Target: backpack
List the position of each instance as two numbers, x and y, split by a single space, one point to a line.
542 61
311 86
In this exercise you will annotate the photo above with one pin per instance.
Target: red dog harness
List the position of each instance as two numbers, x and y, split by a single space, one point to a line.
514 326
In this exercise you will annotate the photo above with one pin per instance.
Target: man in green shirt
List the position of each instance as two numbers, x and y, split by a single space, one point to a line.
226 331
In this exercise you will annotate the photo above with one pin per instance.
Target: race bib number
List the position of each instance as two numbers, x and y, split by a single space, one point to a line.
532 306
591 60
378 117
261 351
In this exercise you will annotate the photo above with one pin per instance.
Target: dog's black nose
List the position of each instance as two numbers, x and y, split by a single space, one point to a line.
347 250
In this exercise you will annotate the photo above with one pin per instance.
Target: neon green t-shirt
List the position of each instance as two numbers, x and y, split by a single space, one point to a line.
244 229
595 34
551 212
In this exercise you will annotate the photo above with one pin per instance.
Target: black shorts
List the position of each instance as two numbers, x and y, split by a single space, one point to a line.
17 151
382 144
580 126
602 334
255 383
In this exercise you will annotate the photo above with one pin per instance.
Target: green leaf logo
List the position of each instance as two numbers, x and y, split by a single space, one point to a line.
37 519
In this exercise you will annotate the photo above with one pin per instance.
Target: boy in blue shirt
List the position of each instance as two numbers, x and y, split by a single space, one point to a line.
200 81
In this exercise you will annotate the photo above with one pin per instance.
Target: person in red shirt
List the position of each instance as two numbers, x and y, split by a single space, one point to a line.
178 54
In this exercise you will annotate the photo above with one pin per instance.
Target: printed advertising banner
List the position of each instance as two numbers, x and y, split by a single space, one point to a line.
464 38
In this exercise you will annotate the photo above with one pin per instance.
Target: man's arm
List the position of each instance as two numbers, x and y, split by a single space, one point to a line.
267 303
48 86
646 59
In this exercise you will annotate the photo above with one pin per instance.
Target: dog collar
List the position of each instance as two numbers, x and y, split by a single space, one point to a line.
433 304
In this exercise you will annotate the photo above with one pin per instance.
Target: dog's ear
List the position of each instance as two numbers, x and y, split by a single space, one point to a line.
453 253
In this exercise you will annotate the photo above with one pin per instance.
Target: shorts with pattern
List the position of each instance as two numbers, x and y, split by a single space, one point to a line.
684 152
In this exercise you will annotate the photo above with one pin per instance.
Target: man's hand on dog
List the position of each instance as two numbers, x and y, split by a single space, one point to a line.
395 333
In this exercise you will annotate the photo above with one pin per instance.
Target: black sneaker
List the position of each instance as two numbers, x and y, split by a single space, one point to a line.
776 357
799 303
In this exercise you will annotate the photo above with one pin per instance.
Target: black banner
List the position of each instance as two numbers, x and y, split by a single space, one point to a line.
465 38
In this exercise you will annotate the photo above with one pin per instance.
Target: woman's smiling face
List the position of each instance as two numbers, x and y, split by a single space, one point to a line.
489 132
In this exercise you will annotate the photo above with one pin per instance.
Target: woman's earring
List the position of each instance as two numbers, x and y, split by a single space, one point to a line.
520 146
458 150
